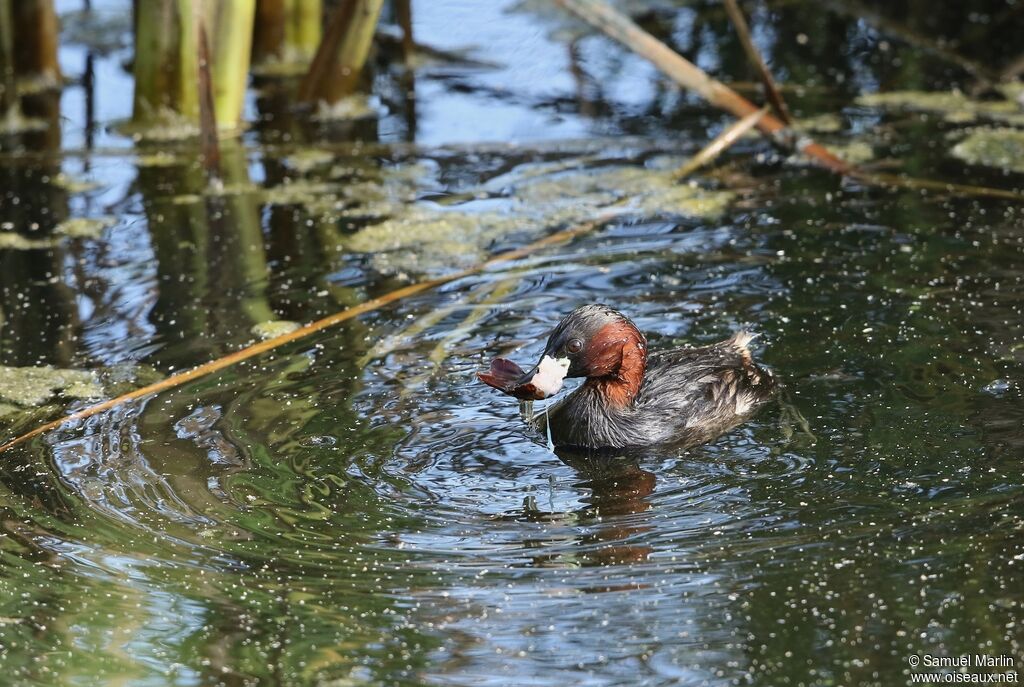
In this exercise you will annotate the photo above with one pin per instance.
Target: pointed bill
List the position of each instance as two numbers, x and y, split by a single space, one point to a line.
542 381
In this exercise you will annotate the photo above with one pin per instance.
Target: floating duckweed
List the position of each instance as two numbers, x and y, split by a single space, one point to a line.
352 107
827 123
83 227
7 409
187 199
159 159
75 228
426 239
274 328
993 147
26 392
823 124
685 200
954 105
308 159
223 190
13 241
352 192
88 387
167 126
281 67
580 195
1012 90
298 192
73 184
34 386
13 122
854 152
293 192
121 378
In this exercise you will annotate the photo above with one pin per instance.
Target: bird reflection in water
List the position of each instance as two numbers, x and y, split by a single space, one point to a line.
604 527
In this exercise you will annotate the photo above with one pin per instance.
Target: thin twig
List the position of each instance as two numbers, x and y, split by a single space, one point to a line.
177 380
721 142
754 55
899 181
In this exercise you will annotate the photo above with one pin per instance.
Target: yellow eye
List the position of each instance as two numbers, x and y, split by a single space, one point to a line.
574 346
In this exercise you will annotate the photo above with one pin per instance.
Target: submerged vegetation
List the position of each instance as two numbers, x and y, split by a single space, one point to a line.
954 106
252 254
33 386
418 238
1001 148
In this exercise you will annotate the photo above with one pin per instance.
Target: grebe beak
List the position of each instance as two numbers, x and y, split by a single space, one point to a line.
544 380
547 376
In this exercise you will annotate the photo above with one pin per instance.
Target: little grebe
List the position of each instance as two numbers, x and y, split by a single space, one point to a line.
686 396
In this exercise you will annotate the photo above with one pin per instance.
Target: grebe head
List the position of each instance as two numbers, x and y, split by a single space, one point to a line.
592 341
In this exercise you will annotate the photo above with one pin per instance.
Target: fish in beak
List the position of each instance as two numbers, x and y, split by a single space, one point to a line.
543 381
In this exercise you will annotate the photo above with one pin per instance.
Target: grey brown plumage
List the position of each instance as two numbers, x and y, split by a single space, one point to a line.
683 397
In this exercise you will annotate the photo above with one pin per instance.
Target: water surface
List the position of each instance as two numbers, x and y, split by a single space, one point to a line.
356 509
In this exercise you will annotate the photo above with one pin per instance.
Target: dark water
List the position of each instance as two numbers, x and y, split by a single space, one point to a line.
356 509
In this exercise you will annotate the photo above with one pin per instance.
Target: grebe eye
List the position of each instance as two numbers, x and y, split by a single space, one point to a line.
574 346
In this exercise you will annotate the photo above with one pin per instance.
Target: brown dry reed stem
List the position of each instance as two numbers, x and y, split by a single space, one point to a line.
335 70
897 181
181 378
620 27
9 104
269 30
207 110
754 55
325 54
720 143
286 31
36 35
403 15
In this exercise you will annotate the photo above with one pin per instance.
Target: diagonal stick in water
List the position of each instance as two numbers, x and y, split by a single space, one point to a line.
205 369
720 143
739 22
687 74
